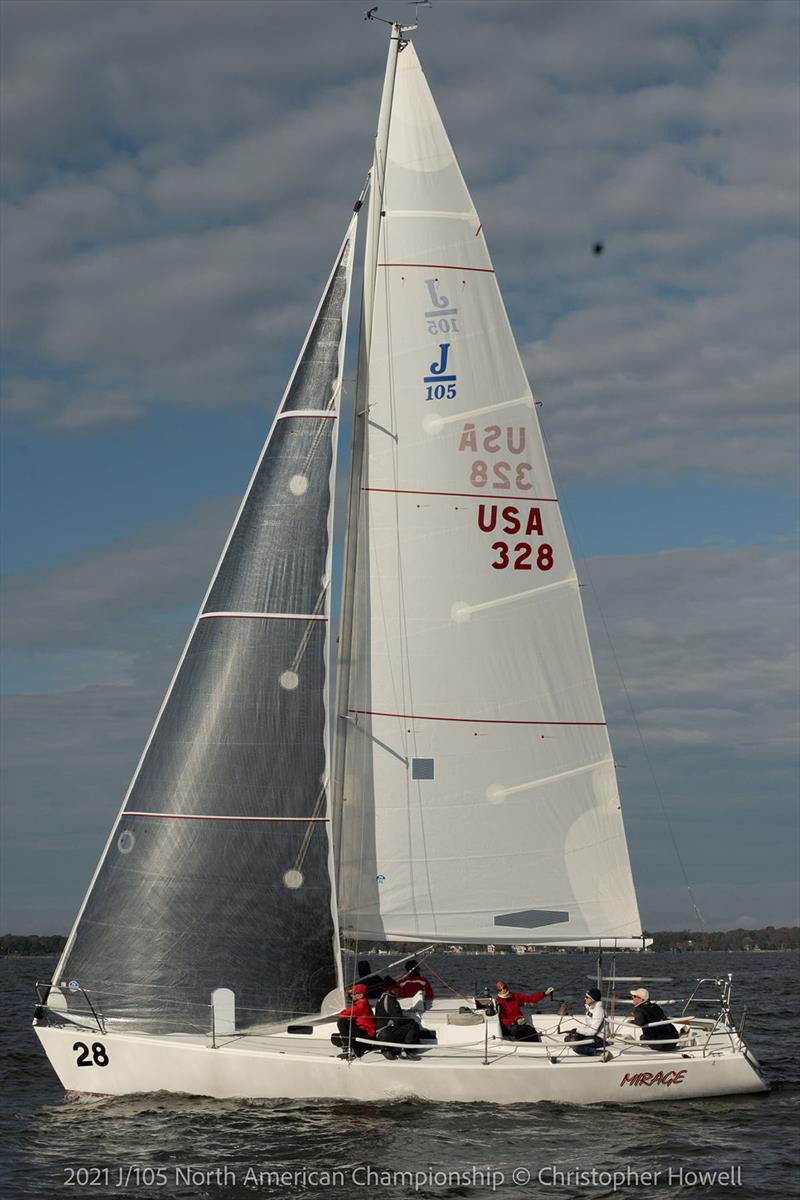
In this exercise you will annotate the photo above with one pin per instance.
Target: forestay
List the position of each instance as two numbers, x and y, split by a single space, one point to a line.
480 801
217 873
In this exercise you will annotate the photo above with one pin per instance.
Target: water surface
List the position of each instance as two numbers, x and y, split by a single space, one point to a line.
162 1145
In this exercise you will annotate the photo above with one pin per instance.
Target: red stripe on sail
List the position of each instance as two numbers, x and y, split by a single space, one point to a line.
440 267
468 495
363 712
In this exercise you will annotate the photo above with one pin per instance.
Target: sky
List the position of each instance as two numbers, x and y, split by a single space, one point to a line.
176 179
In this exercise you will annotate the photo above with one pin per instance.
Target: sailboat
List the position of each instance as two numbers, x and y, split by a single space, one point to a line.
461 787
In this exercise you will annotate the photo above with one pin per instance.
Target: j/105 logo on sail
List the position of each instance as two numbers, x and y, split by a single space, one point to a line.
441 318
495 439
440 384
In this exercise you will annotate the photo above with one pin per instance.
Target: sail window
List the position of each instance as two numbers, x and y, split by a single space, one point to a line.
422 768
532 918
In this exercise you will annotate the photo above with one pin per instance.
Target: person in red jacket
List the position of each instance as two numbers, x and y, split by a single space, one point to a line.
412 982
509 1008
356 1021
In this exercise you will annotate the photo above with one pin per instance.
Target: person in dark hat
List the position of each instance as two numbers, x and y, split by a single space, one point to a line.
372 981
660 1033
356 1021
413 981
586 1038
509 1007
392 1024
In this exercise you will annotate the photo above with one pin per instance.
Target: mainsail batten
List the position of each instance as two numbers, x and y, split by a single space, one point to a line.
218 870
479 780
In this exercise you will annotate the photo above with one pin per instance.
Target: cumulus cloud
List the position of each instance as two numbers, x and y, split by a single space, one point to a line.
703 384
697 659
179 174
176 180
695 648
94 601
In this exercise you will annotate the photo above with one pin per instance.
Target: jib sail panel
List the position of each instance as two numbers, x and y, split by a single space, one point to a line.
217 871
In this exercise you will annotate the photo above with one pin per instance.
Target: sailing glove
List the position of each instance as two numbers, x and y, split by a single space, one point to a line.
548 992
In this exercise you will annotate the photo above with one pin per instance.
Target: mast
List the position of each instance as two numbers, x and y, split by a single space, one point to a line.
374 221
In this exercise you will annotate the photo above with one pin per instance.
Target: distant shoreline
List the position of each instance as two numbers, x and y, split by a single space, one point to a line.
769 940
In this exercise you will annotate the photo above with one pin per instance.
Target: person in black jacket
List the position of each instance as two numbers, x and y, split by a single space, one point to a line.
391 1023
372 981
652 1020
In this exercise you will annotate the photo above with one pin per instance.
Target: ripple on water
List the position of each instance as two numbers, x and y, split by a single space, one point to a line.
162 1131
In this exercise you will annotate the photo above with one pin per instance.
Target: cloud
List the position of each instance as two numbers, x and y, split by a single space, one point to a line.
697 658
696 648
176 181
167 229
666 387
101 599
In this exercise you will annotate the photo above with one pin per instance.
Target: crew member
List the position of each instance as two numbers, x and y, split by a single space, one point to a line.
393 1025
660 1033
509 1005
413 981
372 981
356 1021
586 1037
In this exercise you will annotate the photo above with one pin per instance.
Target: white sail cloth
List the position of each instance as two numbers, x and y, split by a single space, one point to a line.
480 800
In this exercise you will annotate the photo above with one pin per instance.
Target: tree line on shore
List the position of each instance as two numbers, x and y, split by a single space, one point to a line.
784 937
770 938
31 943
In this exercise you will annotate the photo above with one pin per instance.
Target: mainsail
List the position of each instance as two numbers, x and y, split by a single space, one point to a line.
217 872
479 798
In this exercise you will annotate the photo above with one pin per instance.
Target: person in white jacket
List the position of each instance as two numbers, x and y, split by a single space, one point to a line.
417 1007
586 1037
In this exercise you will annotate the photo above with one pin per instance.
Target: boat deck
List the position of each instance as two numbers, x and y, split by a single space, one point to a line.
269 1062
458 1038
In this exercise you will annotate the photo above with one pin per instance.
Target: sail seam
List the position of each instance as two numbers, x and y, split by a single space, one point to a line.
363 712
308 412
430 212
259 616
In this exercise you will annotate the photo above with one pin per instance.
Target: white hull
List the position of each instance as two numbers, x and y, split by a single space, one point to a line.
272 1066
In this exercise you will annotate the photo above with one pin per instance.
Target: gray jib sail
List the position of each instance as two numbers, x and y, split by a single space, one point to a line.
217 871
